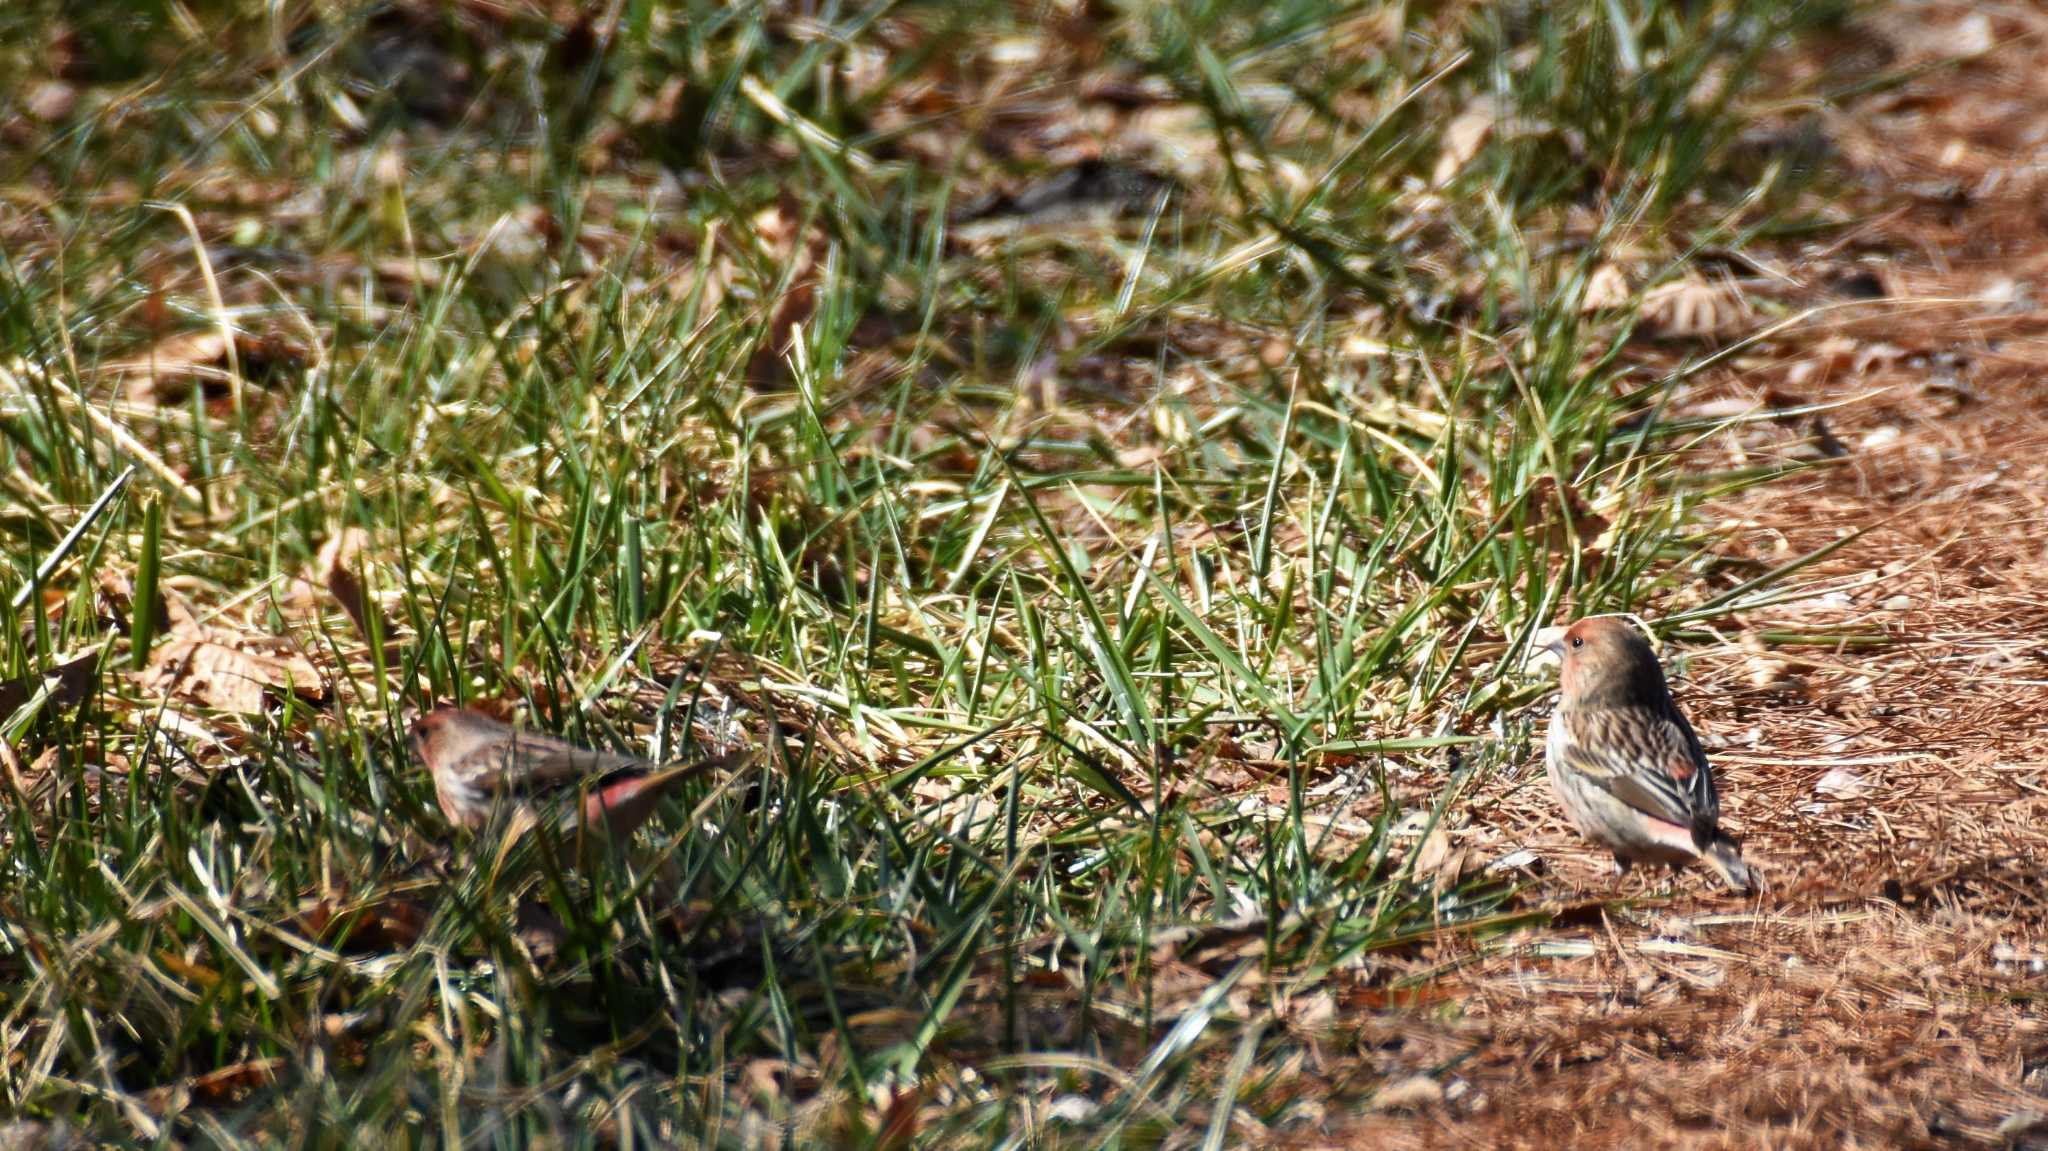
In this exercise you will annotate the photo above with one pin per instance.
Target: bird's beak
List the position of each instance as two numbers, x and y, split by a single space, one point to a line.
1547 648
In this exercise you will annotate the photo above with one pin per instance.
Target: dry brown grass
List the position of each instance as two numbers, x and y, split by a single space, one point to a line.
1884 991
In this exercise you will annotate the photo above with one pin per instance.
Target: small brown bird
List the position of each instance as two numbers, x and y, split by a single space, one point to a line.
479 763
1625 764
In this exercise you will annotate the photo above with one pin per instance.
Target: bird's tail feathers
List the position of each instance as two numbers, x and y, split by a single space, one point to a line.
624 803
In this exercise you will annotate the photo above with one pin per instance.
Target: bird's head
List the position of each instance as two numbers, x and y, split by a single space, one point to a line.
420 737
1607 663
447 732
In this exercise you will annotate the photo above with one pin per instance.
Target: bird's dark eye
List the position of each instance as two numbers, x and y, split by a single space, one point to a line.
1578 641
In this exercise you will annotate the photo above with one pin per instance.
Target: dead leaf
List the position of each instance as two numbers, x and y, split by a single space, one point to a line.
2019 1124
187 970
1564 519
1766 668
1436 847
535 925
338 560
1074 1109
380 925
1606 288
173 366
1092 188
776 231
1520 859
1311 1014
1693 310
763 1078
406 276
223 1085
70 679
1841 783
1412 1093
229 671
1820 442
10 768
1462 139
117 604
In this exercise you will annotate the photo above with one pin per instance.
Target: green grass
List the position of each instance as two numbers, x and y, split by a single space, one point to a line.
1082 581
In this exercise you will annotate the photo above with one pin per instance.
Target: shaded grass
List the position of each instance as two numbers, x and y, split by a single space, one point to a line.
1099 581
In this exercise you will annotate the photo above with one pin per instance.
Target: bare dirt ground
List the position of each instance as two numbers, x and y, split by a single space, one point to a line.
1892 782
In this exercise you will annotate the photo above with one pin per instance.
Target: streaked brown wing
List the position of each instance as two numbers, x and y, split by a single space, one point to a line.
1706 798
535 765
1647 761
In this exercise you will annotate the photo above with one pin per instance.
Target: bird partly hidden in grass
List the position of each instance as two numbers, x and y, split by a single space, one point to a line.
1624 762
481 764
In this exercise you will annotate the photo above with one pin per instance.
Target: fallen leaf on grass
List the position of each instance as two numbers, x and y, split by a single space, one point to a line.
168 371
1520 859
51 101
1606 288
1922 39
407 277
224 1085
2019 1124
117 605
1462 139
1439 860
338 562
776 229
1563 519
230 671
380 925
187 970
38 780
69 680
1072 1109
1312 1014
1820 442
1693 310
899 1120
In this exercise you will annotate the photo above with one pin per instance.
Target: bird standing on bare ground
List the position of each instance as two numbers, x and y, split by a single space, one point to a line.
480 763
1625 764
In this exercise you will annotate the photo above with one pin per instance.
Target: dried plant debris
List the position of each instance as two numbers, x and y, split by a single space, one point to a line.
1690 309
1462 139
1606 289
215 361
228 670
1108 466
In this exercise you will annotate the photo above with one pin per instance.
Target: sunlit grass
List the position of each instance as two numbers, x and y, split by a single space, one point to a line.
1086 578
